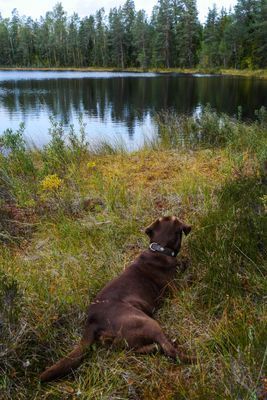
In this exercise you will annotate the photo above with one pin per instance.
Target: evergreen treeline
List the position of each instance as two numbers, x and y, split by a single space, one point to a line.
171 37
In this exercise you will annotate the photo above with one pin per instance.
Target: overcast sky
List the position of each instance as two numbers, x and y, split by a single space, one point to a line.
35 8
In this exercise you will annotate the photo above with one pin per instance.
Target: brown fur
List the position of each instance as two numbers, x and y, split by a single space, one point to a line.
122 311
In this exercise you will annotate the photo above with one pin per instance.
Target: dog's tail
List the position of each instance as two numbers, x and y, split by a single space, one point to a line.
71 361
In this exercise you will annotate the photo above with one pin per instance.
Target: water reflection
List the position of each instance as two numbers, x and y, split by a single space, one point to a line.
123 104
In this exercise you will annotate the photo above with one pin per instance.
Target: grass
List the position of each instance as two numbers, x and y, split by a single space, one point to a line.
72 217
257 73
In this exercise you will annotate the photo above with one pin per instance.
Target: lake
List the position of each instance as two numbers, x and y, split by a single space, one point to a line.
117 105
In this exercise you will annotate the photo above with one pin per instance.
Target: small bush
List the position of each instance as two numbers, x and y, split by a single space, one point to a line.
17 170
64 152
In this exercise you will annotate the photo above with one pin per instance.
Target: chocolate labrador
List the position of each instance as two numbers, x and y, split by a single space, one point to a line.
122 311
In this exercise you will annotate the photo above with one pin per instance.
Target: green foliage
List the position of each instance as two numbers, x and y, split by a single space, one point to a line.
13 141
141 37
240 36
16 167
210 129
64 152
116 38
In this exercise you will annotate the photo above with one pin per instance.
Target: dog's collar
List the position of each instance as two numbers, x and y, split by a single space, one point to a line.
163 250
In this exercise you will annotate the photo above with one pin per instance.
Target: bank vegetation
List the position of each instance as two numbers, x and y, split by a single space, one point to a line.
73 216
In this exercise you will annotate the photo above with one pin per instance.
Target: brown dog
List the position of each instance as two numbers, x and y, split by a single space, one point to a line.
123 309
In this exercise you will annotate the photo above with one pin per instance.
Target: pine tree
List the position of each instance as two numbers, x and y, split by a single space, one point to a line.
211 39
246 12
163 33
116 37
87 40
59 35
100 51
141 39
73 45
5 50
14 27
129 14
189 34
224 23
260 36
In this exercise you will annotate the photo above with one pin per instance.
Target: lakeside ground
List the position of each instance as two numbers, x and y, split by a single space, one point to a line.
259 73
72 217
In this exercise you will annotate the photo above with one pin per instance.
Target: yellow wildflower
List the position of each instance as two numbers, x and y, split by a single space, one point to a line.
51 182
91 165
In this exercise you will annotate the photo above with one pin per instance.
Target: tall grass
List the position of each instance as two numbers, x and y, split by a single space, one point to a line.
87 209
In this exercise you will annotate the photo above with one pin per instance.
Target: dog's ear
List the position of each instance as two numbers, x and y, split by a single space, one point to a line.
149 230
186 229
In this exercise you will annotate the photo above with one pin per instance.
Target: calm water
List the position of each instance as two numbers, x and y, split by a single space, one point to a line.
117 105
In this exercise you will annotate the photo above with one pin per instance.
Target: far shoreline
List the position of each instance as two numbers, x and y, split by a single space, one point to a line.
259 73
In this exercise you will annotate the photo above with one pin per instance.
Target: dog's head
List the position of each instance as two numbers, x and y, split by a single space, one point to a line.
168 232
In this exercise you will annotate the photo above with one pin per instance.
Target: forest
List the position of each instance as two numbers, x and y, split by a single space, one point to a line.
172 37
